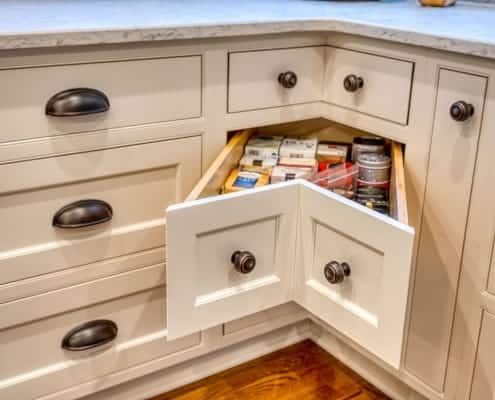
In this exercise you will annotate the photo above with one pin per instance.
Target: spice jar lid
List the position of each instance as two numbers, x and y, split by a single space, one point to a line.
374 160
369 140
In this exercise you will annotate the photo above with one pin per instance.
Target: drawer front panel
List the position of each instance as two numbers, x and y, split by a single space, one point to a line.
371 256
138 92
454 149
39 365
384 86
138 182
483 385
253 78
205 282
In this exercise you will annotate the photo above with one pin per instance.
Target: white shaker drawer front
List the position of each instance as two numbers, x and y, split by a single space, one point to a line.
354 265
295 228
61 351
230 257
76 209
354 272
47 101
374 85
275 78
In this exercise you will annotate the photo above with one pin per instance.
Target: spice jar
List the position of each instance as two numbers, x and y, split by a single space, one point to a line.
374 167
364 144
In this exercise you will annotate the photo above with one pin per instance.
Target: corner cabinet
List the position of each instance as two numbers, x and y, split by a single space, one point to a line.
236 254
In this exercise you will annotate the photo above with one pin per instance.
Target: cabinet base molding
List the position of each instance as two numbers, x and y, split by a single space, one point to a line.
348 354
212 356
195 369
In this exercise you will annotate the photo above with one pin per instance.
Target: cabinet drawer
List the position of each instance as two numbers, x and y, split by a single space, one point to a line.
39 365
286 228
254 78
374 85
137 182
137 92
483 385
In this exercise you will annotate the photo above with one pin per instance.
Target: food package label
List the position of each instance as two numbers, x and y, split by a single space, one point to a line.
284 173
263 147
299 148
241 180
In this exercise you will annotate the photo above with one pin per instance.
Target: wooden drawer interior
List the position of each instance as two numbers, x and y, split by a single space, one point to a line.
213 180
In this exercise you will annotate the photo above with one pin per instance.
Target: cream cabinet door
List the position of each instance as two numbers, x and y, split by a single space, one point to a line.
207 286
353 270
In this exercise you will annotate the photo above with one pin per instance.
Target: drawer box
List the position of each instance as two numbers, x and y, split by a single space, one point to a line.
139 92
254 78
38 365
287 225
370 84
136 181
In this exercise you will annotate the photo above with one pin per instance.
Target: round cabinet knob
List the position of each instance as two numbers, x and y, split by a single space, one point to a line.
336 272
353 83
244 261
461 111
288 79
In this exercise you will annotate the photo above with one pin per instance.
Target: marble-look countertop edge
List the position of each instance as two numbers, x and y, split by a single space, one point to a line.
33 40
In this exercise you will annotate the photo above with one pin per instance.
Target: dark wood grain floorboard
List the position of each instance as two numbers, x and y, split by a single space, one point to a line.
303 371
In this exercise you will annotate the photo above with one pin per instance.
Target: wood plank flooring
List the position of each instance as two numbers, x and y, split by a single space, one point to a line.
303 371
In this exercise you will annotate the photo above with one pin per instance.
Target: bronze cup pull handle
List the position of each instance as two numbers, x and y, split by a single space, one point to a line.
77 102
82 213
90 335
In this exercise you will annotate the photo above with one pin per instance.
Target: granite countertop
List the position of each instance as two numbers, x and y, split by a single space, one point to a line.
466 28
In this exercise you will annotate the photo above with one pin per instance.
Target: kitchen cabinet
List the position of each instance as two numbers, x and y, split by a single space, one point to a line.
178 119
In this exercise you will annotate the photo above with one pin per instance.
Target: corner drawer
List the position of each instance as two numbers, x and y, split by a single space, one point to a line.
136 182
38 365
254 78
370 84
283 228
138 92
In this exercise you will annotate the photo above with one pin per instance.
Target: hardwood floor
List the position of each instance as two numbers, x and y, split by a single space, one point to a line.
303 371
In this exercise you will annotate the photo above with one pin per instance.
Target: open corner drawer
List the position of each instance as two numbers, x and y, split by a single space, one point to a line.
235 254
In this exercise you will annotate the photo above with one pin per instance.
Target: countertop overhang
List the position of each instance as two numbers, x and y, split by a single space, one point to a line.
465 28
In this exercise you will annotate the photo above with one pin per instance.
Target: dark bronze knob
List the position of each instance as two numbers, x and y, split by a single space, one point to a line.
353 83
244 261
461 111
288 79
336 272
